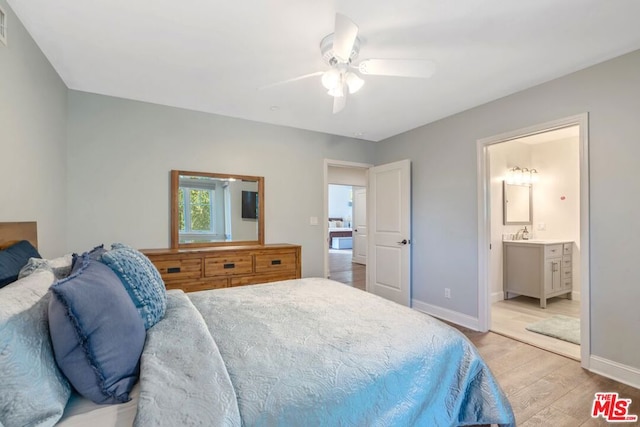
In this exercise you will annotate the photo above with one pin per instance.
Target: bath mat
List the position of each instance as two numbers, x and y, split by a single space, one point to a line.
561 327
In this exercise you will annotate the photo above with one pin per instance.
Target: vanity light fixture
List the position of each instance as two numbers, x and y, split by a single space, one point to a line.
523 176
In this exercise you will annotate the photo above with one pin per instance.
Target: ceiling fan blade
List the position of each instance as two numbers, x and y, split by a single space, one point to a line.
339 102
344 37
294 79
420 68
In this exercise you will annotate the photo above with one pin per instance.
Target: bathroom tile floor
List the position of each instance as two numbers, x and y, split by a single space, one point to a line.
511 317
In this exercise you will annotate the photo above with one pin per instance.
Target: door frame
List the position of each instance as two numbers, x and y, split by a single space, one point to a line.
325 215
484 222
356 190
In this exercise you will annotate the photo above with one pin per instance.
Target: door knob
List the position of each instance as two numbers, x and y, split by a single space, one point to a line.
403 242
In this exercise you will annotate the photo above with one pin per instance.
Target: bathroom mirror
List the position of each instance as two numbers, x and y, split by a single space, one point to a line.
517 204
211 209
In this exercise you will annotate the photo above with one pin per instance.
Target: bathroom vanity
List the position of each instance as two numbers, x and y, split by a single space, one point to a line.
537 268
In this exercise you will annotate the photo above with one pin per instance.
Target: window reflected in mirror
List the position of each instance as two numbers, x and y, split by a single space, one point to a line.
216 209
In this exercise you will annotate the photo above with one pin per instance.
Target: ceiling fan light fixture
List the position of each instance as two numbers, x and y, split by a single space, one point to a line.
354 82
331 79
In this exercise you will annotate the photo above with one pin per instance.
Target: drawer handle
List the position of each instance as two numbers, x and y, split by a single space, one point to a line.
276 262
230 265
173 270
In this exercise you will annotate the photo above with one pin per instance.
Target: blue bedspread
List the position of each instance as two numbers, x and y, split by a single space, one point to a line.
316 352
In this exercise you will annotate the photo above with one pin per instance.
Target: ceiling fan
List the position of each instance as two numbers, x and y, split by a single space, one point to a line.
340 49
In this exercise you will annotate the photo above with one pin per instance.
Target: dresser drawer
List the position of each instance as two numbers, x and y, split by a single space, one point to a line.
228 265
275 261
260 278
551 251
173 269
200 285
567 283
566 262
567 248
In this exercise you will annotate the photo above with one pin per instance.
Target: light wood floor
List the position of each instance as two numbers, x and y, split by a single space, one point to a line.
341 269
546 389
511 317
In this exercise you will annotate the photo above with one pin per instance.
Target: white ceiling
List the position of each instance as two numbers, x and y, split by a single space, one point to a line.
552 135
212 56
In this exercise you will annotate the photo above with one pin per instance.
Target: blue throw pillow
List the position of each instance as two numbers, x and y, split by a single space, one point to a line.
33 391
141 279
96 332
13 259
95 254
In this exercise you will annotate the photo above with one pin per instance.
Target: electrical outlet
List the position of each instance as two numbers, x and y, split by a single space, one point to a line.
447 293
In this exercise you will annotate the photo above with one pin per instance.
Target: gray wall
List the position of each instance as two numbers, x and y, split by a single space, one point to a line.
33 119
445 213
121 152
114 185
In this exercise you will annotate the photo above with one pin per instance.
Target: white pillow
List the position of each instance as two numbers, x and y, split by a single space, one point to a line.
33 390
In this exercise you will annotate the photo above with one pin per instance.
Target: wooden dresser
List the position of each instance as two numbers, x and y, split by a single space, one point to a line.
225 266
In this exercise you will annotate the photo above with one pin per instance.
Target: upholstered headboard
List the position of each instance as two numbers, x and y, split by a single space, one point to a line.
11 232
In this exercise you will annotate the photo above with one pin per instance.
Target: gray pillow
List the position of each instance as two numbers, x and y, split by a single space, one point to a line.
96 332
33 391
61 267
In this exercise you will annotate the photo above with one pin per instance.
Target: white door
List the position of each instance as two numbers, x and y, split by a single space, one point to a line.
359 225
389 255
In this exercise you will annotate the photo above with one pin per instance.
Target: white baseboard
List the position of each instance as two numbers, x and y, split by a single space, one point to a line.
497 296
614 370
446 314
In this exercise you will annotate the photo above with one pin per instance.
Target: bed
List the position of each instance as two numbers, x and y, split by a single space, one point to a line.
337 229
300 352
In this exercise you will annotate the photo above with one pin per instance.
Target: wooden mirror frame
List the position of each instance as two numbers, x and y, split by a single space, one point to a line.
175 184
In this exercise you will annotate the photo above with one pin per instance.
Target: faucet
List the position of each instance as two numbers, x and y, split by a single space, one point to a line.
522 234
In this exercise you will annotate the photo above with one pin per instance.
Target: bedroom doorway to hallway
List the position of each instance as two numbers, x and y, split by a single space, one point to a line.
345 209
548 165
388 224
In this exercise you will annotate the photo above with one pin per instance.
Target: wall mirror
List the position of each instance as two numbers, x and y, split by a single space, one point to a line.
211 209
517 204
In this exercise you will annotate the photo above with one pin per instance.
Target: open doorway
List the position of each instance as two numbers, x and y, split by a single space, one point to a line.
535 213
346 214
534 258
347 248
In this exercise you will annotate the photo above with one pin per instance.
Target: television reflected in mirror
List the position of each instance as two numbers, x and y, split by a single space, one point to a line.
250 204
211 209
